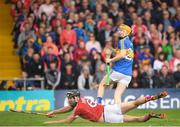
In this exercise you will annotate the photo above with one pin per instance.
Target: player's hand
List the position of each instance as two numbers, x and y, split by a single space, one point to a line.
50 114
108 60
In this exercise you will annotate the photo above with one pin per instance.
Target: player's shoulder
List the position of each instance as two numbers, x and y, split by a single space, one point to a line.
79 105
128 42
127 39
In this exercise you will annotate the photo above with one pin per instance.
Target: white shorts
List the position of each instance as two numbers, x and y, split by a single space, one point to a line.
120 78
113 114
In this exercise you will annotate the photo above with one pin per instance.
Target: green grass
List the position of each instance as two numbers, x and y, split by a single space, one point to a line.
20 119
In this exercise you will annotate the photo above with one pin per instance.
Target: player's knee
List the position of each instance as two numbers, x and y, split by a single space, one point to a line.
102 83
121 88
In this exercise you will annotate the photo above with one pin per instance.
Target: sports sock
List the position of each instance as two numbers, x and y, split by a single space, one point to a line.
155 97
148 98
99 100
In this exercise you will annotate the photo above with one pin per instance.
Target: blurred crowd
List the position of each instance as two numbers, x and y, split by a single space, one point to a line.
63 41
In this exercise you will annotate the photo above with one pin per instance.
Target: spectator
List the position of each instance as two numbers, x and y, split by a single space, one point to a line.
37 66
98 12
68 60
175 61
138 25
139 39
166 20
85 80
176 20
72 51
95 58
166 48
158 63
53 76
80 51
43 20
35 9
68 77
27 33
173 9
49 43
49 57
92 43
104 34
30 44
37 69
27 70
165 79
47 8
113 14
80 33
85 62
148 20
3 84
135 82
146 76
103 21
177 76
40 34
26 63
100 73
176 44
68 35
89 24
155 36
84 6
146 58
52 34
142 7
29 20
58 21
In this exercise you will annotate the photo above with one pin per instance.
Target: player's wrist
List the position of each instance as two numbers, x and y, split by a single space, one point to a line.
113 60
54 112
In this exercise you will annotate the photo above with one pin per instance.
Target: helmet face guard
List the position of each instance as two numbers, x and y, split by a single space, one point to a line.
73 94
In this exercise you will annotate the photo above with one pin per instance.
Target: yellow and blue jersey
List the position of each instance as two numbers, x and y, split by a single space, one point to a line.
124 65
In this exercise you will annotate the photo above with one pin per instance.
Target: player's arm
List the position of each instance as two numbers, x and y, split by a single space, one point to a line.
61 110
120 55
68 120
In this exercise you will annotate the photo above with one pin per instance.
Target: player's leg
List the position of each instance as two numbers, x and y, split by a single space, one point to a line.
127 106
118 93
128 118
101 89
123 82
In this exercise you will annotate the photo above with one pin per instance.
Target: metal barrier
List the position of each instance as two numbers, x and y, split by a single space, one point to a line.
25 81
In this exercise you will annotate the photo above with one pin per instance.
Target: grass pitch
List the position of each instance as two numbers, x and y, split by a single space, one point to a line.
20 119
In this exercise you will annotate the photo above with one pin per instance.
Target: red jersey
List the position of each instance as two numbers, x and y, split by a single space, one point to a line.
88 109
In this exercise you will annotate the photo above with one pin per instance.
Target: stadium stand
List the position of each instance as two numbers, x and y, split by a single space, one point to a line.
59 31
